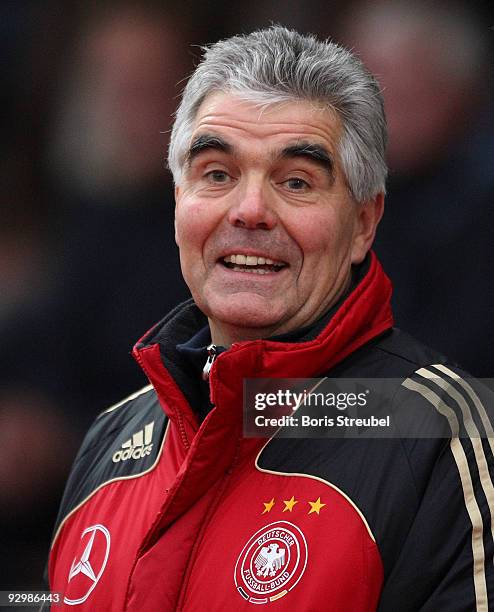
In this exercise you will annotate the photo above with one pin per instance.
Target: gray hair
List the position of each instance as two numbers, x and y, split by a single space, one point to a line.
279 65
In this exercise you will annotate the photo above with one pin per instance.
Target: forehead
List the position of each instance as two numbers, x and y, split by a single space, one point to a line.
277 123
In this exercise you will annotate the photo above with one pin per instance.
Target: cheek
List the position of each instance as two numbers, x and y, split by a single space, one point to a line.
190 225
189 240
316 238
326 241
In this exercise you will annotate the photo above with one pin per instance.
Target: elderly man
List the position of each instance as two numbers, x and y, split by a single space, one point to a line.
278 158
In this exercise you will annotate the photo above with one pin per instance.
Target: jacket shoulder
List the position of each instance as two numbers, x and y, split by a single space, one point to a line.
408 350
120 418
124 442
395 354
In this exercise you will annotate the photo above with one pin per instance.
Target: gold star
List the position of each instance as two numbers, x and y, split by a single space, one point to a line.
316 506
268 506
289 503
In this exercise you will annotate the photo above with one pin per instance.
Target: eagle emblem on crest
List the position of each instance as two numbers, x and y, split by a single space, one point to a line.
269 560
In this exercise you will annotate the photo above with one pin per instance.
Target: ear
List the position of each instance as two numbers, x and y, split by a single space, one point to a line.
177 195
368 217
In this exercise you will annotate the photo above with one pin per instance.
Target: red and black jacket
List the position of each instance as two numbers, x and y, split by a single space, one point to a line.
163 512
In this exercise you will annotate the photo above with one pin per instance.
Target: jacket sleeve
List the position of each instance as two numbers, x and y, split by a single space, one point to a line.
446 562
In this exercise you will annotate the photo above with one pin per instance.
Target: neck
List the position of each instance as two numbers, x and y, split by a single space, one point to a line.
225 335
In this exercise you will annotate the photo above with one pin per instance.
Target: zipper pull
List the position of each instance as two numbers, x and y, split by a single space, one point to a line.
212 353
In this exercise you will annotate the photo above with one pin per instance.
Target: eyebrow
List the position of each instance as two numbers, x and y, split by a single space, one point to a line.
206 142
314 152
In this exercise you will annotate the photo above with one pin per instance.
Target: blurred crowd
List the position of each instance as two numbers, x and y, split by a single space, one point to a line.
87 255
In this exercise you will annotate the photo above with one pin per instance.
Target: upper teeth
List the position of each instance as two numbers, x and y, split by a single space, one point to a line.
250 260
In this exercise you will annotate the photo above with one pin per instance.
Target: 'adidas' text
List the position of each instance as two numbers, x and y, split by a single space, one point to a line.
137 447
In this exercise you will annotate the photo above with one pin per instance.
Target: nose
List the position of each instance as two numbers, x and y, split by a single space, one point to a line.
253 208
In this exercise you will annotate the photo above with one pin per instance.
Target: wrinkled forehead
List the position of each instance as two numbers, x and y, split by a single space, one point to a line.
261 107
226 120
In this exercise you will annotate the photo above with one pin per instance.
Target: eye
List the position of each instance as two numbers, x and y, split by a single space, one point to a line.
296 184
217 176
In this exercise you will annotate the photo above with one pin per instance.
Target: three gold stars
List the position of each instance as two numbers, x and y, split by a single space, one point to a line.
315 506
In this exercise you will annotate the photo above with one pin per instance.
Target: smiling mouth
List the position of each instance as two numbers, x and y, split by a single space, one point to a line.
252 264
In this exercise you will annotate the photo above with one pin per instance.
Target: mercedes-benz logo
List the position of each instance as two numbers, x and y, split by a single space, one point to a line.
93 570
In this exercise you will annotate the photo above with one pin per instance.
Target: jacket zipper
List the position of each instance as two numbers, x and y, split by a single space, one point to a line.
212 354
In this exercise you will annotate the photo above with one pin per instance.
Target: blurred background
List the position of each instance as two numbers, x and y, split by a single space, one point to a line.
87 257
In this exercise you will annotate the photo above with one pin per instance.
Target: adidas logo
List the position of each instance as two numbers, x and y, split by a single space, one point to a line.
137 447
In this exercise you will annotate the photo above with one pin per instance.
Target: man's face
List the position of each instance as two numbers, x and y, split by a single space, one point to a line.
265 224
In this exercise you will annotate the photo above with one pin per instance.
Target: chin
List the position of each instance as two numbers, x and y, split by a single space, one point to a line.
247 313
250 323
246 317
